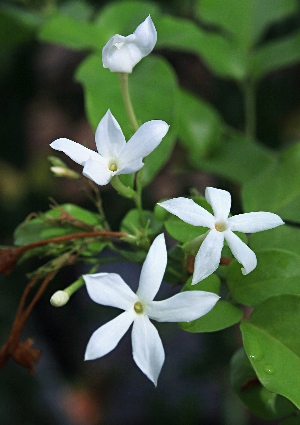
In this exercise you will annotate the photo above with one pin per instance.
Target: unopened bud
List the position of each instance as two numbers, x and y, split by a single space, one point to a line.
59 298
64 172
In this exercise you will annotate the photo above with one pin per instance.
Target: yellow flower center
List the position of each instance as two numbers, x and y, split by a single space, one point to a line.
221 226
138 307
113 167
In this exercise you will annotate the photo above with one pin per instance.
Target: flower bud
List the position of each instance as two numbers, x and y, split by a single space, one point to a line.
121 54
64 172
59 298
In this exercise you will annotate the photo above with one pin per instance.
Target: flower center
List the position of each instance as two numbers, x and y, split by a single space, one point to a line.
113 167
221 226
138 307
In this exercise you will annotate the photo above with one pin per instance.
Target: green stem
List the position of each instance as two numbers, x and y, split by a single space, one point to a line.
132 118
127 100
249 91
123 190
138 198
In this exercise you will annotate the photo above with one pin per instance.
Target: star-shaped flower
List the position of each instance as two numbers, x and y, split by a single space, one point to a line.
221 227
114 156
110 289
121 54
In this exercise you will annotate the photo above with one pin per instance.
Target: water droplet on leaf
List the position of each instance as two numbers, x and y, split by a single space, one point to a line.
269 369
255 351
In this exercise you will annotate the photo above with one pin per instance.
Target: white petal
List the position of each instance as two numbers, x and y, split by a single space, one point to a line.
190 212
146 36
220 200
241 252
183 307
131 167
105 338
110 289
147 349
109 137
121 54
153 270
208 257
98 171
254 222
143 142
75 151
116 55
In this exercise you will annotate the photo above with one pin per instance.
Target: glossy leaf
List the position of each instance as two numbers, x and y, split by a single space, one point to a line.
284 237
277 272
259 400
271 341
277 189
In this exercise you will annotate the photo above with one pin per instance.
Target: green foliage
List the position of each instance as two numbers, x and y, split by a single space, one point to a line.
277 188
237 158
271 341
52 223
140 225
277 273
262 402
199 126
246 20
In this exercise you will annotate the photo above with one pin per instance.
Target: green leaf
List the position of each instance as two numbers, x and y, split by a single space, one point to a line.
220 55
47 226
277 273
259 400
151 77
199 125
276 54
132 223
73 33
271 341
283 237
236 158
245 20
223 315
276 189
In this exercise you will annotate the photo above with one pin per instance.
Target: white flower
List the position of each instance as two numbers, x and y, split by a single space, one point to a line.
121 54
208 257
114 156
110 289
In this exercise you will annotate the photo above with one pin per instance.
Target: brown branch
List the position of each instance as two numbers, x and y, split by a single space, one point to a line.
9 256
23 352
